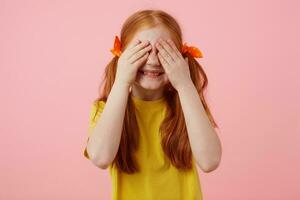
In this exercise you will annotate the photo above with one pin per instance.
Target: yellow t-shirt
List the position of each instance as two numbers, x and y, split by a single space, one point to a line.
158 179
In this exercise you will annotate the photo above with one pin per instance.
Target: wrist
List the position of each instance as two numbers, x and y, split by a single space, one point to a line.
121 85
185 86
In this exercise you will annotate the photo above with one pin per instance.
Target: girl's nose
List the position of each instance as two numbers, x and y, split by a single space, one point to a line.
153 58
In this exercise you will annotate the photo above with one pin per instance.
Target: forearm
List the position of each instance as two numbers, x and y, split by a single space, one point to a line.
104 141
204 141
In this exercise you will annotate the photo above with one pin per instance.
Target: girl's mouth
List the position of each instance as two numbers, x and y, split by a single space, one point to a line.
150 74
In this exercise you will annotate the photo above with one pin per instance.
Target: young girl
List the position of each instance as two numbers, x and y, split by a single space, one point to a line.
155 124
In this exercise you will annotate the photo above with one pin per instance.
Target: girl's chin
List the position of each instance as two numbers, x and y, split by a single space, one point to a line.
149 85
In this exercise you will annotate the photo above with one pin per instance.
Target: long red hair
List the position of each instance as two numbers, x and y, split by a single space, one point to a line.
174 136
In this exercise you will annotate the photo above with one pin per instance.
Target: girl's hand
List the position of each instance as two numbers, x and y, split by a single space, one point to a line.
130 60
176 67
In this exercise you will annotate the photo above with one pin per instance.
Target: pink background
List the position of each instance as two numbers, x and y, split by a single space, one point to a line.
52 55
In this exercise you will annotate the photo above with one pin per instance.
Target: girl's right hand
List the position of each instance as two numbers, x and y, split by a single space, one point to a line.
130 61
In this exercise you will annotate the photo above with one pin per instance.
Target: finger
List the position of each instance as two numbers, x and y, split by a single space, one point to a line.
140 61
135 42
139 54
169 49
164 53
163 62
137 48
130 46
172 44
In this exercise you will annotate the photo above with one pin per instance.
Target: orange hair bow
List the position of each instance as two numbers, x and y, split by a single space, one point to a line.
117 47
194 51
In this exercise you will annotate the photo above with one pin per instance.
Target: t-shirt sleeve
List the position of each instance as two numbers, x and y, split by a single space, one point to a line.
94 115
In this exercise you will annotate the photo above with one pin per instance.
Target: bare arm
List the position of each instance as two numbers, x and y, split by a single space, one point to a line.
104 142
205 143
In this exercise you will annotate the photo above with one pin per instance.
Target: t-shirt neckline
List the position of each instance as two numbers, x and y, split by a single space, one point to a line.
139 101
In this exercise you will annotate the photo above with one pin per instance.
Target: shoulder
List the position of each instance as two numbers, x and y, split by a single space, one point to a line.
96 108
98 103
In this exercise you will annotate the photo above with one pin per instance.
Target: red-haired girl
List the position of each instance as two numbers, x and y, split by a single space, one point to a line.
151 124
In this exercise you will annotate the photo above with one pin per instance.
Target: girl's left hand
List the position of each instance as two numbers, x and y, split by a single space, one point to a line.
176 67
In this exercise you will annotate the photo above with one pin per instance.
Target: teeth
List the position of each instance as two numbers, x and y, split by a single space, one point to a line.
152 73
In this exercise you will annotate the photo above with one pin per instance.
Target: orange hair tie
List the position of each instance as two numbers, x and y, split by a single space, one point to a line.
194 51
117 47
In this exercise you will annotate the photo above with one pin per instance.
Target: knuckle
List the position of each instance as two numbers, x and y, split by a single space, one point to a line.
140 53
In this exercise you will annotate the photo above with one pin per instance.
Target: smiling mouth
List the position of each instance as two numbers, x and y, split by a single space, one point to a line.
152 74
